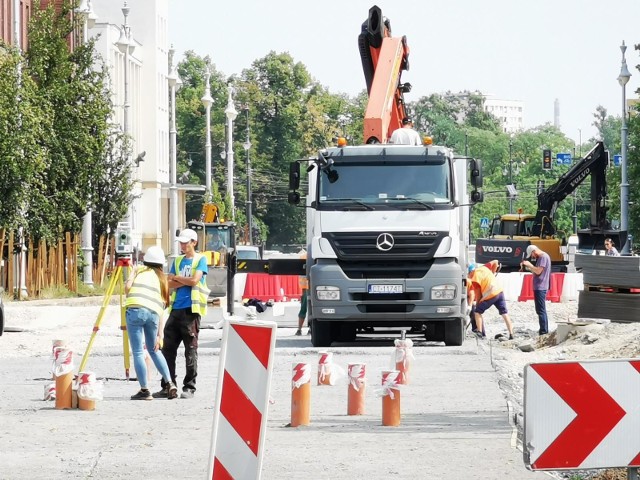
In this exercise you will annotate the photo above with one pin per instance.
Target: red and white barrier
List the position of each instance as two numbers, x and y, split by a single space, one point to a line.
242 398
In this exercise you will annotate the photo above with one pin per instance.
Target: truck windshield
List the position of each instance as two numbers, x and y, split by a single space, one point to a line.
390 185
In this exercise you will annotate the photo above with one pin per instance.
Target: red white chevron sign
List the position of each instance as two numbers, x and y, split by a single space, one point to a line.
242 398
582 415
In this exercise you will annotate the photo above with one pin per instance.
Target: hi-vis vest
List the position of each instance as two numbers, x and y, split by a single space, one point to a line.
199 292
145 291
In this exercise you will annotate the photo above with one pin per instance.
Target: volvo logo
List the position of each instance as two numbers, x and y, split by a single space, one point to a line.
385 242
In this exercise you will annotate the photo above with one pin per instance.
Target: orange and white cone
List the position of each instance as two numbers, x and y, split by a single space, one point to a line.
390 398
300 394
324 368
63 360
403 358
355 401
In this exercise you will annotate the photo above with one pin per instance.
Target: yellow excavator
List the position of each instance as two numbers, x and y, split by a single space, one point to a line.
511 234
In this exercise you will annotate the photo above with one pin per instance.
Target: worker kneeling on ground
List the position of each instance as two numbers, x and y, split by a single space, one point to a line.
485 291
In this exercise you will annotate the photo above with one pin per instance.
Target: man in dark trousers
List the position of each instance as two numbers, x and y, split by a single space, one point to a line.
541 277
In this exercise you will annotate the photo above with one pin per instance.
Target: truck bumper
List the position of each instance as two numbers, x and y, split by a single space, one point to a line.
413 305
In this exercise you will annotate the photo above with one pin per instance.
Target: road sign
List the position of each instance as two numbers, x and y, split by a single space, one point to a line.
563 158
242 398
617 160
582 415
484 222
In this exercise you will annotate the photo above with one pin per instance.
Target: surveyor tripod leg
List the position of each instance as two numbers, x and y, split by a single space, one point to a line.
105 303
125 333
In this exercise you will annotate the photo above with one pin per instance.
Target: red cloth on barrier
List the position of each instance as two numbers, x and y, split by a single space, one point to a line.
267 287
553 294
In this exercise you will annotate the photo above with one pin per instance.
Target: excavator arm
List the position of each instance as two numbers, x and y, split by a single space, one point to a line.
594 164
383 59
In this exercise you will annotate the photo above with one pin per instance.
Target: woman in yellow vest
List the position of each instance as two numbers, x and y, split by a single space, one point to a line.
147 296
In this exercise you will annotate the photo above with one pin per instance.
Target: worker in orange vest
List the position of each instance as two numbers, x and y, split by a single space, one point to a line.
486 292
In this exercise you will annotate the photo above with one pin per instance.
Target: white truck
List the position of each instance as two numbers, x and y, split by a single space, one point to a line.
387 225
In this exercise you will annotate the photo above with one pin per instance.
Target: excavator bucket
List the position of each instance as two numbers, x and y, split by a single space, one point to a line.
588 240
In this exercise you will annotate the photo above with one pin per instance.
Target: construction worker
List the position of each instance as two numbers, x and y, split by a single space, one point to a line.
406 135
147 295
485 291
188 306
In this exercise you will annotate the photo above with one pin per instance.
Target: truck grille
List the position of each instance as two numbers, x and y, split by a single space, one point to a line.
411 255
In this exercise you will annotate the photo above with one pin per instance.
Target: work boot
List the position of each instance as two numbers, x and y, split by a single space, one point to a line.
187 394
172 391
143 394
164 393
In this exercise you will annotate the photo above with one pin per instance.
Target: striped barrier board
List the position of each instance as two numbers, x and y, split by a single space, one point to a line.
242 398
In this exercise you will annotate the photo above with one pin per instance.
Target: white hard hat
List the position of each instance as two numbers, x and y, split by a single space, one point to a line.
187 235
154 255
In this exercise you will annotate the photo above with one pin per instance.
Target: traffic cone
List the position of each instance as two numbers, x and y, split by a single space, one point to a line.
300 394
403 357
86 381
390 398
324 368
355 401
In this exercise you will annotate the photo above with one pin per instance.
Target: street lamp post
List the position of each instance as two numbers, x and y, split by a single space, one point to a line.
207 101
510 172
231 114
174 84
126 46
623 79
247 147
88 18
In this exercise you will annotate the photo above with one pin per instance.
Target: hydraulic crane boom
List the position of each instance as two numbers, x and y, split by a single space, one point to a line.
383 59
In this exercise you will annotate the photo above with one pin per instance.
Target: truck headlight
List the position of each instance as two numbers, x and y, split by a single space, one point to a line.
327 292
443 292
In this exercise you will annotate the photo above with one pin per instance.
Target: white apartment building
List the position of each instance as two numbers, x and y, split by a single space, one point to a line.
149 109
508 112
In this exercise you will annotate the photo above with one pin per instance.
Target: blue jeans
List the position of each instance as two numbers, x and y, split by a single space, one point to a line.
142 325
540 299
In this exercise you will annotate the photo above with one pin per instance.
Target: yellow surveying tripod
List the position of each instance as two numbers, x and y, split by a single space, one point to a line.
123 265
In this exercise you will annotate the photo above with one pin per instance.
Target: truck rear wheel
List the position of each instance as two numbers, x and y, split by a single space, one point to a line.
321 333
454 332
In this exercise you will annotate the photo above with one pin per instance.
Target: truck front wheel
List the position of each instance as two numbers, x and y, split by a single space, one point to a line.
321 333
454 332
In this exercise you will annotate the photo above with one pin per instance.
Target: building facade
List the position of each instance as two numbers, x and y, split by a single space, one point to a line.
510 113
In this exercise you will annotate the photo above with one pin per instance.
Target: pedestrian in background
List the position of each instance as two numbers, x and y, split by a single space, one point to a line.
303 281
611 248
486 292
541 278
147 293
188 306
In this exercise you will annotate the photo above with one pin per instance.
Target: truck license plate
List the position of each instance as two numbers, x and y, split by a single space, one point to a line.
385 288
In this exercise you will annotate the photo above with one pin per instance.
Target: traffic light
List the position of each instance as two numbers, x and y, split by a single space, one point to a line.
546 159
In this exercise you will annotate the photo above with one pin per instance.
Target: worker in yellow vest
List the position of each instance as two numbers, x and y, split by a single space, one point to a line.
303 281
147 292
188 306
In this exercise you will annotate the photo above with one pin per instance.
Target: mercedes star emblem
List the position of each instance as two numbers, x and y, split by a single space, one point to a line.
385 242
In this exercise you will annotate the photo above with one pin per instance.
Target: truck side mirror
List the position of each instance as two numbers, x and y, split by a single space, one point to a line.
294 176
475 169
293 198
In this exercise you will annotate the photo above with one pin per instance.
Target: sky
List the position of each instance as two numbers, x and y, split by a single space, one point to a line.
535 51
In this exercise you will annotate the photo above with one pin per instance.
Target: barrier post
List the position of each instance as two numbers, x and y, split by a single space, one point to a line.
390 398
63 360
356 392
300 395
324 368
403 357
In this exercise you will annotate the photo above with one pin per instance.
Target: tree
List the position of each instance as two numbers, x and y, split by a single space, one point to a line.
85 160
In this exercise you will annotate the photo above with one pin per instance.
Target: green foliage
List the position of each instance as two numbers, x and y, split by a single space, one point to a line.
58 151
